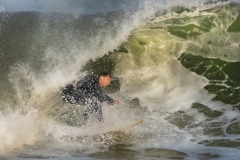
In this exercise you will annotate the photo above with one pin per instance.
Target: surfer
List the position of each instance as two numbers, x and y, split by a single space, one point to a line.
88 91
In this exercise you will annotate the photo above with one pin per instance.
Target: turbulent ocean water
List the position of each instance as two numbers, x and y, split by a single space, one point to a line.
176 65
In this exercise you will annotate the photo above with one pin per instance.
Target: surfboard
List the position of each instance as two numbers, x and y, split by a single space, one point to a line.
126 127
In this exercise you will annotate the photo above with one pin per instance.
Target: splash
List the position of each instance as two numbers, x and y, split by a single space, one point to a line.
158 81
2 9
18 129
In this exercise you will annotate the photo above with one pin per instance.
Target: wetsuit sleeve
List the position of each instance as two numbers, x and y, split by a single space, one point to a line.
103 97
109 100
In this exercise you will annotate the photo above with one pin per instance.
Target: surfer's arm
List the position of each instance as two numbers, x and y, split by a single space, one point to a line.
105 98
109 100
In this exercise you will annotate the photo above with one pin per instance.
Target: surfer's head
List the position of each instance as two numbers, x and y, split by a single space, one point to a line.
104 79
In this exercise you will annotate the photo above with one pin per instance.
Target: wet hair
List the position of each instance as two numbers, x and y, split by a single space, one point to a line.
104 74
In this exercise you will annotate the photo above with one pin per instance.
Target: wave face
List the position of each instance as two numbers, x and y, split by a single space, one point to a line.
174 64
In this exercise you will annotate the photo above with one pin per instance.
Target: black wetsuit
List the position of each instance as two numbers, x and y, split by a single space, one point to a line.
87 91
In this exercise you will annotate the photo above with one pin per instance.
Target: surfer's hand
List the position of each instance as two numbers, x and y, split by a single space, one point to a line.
116 102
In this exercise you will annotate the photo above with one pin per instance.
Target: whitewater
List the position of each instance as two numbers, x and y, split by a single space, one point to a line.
175 64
